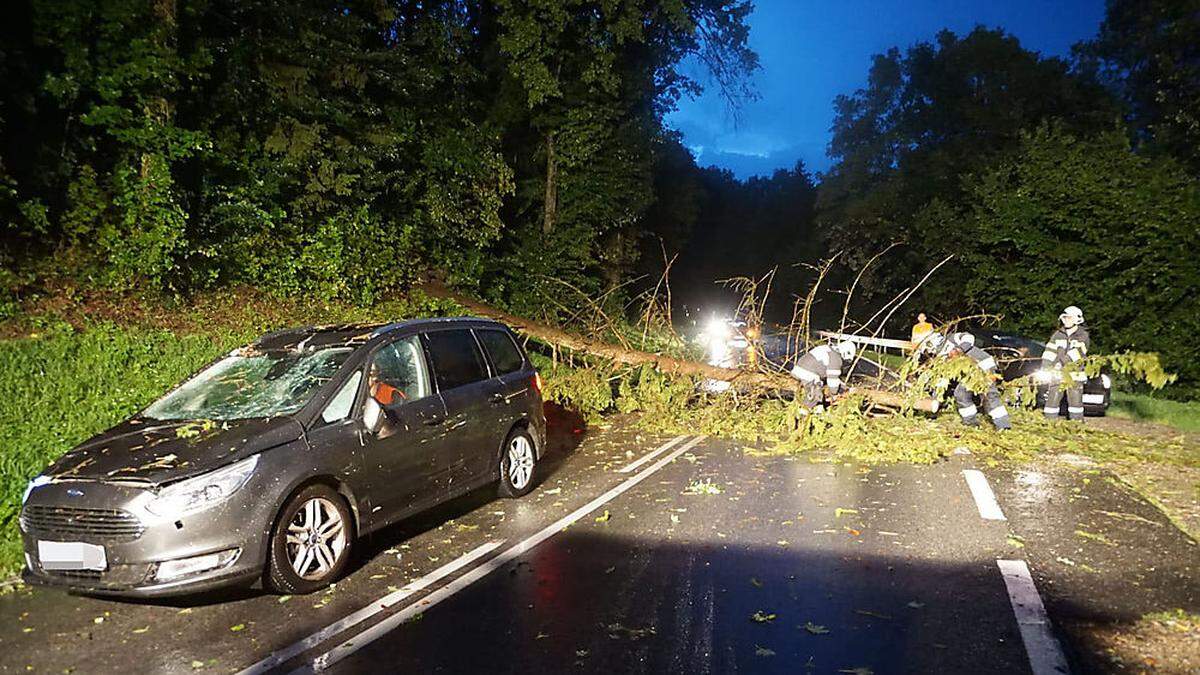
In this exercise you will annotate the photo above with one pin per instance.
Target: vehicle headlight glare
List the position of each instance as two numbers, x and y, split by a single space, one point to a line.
1044 376
202 491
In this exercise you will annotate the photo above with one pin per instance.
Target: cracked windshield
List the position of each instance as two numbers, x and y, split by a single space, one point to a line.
259 385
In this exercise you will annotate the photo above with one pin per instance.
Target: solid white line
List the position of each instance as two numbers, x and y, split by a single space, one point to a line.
415 586
385 626
651 455
1045 654
985 500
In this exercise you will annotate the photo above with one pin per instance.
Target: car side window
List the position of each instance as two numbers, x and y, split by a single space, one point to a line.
397 373
340 405
502 350
456 358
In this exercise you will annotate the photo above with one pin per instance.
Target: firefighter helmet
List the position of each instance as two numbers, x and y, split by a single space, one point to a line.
1071 316
845 348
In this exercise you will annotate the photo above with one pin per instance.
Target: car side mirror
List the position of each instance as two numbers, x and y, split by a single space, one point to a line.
372 415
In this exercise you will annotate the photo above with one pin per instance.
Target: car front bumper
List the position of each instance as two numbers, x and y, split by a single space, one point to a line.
136 542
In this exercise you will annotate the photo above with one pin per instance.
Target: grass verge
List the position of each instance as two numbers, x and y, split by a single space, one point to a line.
1181 415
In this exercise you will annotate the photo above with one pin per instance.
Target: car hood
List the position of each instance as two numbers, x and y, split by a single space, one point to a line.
157 451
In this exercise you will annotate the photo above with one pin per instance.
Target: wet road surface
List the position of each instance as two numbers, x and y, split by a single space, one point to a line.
704 557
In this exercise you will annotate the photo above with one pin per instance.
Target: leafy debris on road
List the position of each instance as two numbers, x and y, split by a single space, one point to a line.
703 487
763 651
877 615
760 616
815 629
1096 537
604 517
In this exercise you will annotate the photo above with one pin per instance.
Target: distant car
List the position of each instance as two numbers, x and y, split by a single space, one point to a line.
271 462
1020 356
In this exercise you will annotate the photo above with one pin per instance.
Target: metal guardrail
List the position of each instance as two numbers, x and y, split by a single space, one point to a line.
885 343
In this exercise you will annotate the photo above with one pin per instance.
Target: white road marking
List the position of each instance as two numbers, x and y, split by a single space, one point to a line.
1045 655
415 586
985 500
652 454
385 626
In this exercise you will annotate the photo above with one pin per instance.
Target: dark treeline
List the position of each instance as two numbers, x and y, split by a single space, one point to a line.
517 148
343 148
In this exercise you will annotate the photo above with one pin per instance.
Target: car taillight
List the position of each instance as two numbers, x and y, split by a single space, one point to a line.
536 383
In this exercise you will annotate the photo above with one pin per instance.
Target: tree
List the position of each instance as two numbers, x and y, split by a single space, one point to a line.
1084 221
926 119
1150 52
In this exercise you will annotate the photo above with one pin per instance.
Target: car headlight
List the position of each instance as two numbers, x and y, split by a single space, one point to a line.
1044 376
33 484
202 491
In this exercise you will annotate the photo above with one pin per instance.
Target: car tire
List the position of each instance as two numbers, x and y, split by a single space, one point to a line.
518 464
311 541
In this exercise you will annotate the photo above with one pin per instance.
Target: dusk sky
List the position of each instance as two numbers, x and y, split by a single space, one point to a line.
810 52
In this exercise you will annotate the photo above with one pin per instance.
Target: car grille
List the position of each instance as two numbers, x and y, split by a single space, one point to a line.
58 521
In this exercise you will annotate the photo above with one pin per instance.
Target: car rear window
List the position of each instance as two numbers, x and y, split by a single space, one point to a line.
455 357
502 350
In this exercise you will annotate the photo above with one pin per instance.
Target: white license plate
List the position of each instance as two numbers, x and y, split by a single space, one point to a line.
71 555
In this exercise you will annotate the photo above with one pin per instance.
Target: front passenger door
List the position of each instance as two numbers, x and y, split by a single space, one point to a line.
405 457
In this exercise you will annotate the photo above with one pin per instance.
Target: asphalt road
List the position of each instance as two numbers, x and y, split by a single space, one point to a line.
701 557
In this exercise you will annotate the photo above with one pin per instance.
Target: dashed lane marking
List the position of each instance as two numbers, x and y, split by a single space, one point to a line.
1045 654
370 610
652 454
387 625
985 500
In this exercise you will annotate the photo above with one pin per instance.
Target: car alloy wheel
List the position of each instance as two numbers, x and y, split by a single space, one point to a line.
311 541
520 462
316 539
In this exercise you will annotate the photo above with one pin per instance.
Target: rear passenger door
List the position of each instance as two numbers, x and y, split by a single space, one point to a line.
513 378
468 393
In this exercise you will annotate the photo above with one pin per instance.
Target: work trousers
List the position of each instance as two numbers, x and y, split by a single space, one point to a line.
991 401
1074 391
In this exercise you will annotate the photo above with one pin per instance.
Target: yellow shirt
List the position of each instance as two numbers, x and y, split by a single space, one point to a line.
920 330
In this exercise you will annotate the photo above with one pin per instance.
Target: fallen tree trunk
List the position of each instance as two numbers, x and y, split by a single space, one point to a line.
665 364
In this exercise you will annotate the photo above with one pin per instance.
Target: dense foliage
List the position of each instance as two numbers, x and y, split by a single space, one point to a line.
337 149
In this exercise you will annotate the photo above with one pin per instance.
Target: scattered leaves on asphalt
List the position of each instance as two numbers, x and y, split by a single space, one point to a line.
916 605
763 651
1095 537
703 487
237 628
815 629
755 582
283 598
867 612
839 512
604 517
760 616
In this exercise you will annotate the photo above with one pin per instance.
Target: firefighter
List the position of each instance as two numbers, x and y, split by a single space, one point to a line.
1068 345
964 343
822 362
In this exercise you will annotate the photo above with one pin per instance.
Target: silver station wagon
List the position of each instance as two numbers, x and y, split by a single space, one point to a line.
267 465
